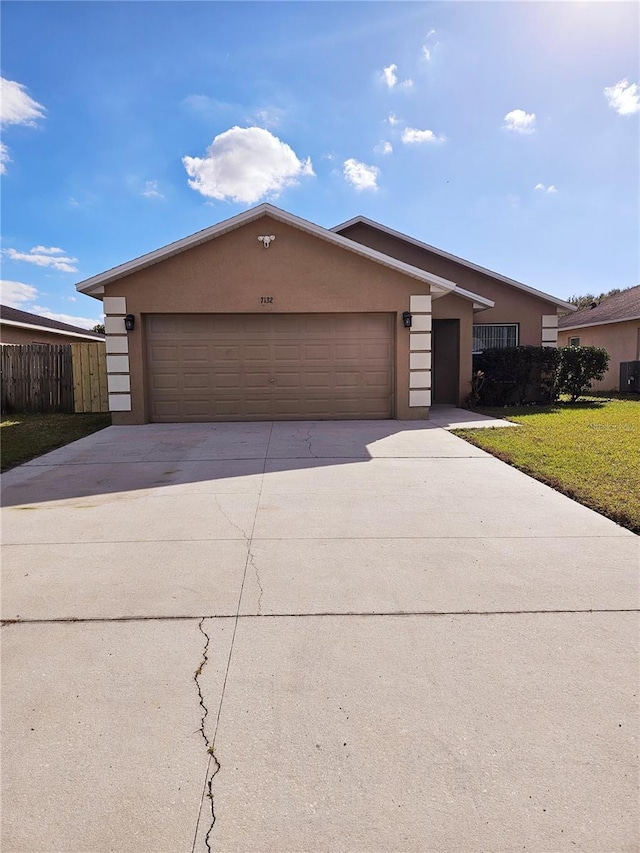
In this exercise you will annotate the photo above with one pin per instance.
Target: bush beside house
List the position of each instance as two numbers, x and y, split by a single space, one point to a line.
504 376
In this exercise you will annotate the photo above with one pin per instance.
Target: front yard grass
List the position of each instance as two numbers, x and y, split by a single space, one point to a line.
23 437
589 450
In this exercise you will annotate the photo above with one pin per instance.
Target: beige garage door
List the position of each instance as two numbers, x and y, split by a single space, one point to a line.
235 367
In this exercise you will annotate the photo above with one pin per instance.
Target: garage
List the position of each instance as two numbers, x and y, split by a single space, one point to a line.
247 367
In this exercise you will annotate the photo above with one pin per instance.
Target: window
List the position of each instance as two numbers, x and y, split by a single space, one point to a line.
485 337
574 342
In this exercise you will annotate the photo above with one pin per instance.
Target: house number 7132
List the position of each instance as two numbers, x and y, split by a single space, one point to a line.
264 300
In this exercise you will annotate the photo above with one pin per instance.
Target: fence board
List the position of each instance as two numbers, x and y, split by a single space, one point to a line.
89 377
36 378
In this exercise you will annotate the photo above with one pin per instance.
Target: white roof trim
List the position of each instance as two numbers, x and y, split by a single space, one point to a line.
449 257
439 286
597 323
4 322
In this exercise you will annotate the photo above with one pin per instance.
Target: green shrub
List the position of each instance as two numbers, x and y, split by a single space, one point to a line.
504 376
578 367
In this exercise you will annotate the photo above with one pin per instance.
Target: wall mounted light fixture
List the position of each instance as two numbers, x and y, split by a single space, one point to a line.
406 319
266 241
129 322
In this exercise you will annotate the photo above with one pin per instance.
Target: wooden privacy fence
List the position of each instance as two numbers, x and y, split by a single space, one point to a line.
54 377
89 377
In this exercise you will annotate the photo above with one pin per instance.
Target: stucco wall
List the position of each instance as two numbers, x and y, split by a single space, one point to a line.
231 274
18 335
621 341
512 305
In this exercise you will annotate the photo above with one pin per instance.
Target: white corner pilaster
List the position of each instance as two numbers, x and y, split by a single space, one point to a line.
420 351
117 345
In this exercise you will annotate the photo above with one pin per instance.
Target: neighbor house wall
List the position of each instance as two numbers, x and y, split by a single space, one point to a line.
512 305
20 335
230 274
621 341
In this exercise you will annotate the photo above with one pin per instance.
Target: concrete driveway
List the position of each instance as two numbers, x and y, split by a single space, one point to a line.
355 636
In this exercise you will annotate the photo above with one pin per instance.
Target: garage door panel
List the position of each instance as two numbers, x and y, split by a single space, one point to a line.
269 366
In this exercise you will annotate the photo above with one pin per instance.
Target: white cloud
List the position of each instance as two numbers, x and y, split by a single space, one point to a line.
393 119
82 322
426 53
43 257
520 121
413 136
16 294
151 190
624 97
16 106
383 148
43 250
4 158
360 176
550 189
269 116
389 75
245 164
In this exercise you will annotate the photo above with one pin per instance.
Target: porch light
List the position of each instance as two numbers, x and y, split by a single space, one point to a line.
406 319
129 322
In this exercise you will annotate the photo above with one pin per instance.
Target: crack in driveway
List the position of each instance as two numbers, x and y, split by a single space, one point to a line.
209 744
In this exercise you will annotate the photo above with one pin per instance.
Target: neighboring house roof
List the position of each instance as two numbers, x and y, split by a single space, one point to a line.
440 286
23 319
412 240
614 309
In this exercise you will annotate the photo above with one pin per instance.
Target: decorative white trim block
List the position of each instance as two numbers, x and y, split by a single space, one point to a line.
114 305
419 398
117 364
114 325
420 361
419 341
549 321
119 344
119 402
549 336
420 379
421 323
551 344
118 382
420 303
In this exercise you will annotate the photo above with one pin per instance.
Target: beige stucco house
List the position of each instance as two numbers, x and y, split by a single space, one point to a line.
613 324
268 316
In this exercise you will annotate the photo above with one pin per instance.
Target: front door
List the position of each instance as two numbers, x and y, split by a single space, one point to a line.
446 361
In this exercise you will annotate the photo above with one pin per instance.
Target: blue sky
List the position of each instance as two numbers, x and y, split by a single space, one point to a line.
506 133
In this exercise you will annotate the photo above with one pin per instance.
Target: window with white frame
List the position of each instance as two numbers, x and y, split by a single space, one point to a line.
574 342
495 335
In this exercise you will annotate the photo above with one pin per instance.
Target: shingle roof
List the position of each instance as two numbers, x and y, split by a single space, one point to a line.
14 315
613 309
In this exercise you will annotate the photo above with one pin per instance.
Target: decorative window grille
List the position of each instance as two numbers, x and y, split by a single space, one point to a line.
485 337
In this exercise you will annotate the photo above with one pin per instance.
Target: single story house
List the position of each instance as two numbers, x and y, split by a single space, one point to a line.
21 327
267 316
613 324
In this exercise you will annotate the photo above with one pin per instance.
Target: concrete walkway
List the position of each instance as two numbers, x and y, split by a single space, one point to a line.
356 636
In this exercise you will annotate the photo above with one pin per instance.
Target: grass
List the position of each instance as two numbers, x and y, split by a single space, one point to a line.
589 450
23 437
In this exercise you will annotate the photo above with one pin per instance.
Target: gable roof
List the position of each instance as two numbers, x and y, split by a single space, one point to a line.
15 317
414 242
614 309
440 286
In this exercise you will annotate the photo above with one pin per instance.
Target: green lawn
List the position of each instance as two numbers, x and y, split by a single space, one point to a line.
589 450
23 437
